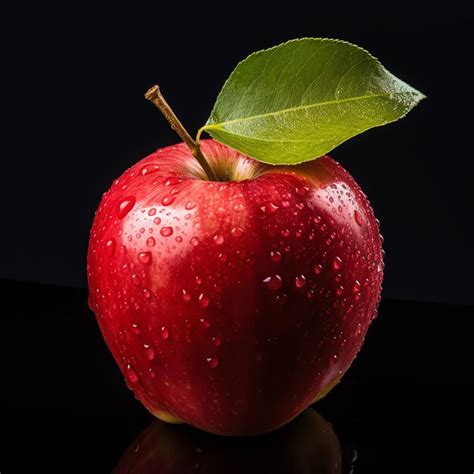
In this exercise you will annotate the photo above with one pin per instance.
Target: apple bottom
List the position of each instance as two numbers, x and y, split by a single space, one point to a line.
167 417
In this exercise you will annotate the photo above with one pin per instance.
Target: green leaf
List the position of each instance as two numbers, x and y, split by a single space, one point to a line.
299 100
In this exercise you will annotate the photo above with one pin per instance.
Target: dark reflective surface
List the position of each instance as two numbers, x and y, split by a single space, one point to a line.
308 445
404 406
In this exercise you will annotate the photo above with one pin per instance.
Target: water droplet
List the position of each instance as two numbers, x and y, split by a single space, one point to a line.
285 233
212 362
273 282
150 242
132 376
339 290
110 244
237 231
125 207
145 257
179 239
317 219
270 208
149 352
165 334
203 300
302 191
300 281
285 203
358 217
152 211
186 296
300 206
318 268
275 256
239 207
206 324
146 292
222 257
282 299
148 169
194 241
310 294
136 329
171 181
167 200
356 287
166 231
198 280
157 220
190 205
218 239
337 263
216 340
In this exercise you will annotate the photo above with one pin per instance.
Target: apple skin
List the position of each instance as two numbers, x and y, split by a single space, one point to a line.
307 445
233 305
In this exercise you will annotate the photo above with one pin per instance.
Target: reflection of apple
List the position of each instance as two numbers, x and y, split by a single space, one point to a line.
308 445
233 305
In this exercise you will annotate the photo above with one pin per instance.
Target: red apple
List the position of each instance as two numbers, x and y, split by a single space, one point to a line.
233 305
307 445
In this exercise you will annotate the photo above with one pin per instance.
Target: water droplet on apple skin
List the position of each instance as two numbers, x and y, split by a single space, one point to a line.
172 181
318 268
125 206
203 300
300 281
166 231
337 263
273 282
275 256
136 329
186 296
218 239
149 352
131 375
168 200
149 169
110 244
212 362
145 258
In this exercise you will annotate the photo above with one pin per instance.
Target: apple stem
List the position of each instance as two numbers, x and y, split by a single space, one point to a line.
154 95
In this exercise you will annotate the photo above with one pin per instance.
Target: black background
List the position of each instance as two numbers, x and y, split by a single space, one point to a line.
75 118
74 75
